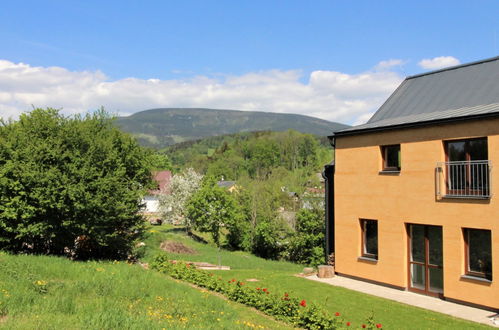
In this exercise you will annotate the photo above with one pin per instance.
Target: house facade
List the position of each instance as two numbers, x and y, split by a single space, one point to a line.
414 194
151 200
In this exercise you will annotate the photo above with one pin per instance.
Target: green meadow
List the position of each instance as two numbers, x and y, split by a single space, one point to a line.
42 292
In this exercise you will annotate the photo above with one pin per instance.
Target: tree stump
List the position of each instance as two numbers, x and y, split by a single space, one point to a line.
325 271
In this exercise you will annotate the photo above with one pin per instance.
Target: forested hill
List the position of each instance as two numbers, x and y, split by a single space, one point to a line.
159 128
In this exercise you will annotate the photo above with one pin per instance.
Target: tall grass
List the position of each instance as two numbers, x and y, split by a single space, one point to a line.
39 292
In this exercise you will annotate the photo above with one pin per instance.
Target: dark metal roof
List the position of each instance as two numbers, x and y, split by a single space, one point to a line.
458 92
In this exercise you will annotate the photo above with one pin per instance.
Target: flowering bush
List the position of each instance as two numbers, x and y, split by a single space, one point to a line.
281 306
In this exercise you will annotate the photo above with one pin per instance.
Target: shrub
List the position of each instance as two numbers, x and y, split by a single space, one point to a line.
70 185
306 245
281 306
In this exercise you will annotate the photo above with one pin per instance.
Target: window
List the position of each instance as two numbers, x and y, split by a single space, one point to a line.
369 238
467 168
478 251
391 157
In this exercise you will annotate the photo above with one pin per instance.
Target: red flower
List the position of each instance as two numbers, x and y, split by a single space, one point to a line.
378 325
303 303
286 294
258 289
348 324
264 290
337 314
363 326
241 283
233 280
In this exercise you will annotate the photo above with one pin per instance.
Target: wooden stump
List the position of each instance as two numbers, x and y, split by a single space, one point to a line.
325 271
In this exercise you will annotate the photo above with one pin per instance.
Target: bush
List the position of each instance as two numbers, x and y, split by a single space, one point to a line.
306 245
70 185
269 239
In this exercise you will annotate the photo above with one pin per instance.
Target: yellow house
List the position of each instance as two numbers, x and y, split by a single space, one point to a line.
413 197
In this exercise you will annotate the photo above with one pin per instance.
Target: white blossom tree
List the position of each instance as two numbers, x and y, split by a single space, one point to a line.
172 205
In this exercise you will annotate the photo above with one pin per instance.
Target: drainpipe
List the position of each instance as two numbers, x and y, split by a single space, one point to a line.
328 175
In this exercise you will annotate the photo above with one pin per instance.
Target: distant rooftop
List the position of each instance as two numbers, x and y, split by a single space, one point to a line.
460 92
163 179
226 184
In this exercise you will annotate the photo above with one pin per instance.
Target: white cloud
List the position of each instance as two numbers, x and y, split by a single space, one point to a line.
438 62
336 96
389 64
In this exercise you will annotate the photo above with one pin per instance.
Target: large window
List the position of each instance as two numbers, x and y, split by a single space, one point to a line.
467 168
369 238
391 157
478 251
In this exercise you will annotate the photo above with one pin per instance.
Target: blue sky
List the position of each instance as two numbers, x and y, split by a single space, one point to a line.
132 55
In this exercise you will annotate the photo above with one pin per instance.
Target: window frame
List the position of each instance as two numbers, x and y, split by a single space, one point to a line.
364 253
467 270
384 156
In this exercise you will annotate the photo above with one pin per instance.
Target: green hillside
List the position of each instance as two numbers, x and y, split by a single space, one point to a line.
159 128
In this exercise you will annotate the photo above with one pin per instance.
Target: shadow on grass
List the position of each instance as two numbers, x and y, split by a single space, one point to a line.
184 231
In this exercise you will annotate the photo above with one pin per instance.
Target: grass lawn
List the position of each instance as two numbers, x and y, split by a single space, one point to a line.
279 277
39 292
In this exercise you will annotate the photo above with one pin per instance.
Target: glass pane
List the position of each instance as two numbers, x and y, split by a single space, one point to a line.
480 252
435 245
417 243
477 149
371 237
436 279
455 151
392 156
418 276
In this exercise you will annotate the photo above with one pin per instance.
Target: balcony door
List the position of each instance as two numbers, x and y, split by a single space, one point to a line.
425 259
467 167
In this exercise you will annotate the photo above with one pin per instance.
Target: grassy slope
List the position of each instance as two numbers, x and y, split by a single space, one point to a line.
278 277
108 295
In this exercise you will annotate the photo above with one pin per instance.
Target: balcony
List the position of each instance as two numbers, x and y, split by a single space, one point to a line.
464 179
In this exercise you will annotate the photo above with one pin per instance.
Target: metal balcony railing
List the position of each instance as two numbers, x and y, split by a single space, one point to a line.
465 179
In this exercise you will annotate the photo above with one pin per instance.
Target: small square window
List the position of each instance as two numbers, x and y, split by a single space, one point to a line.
478 251
391 157
369 238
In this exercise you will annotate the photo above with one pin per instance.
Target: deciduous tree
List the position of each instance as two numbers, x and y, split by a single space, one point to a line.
70 185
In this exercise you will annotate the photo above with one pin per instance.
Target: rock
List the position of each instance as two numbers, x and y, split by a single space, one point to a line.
308 270
325 271
156 222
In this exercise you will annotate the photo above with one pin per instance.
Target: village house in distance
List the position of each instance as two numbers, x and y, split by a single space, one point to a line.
151 200
413 200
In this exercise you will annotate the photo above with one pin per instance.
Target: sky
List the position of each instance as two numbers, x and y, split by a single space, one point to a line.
335 60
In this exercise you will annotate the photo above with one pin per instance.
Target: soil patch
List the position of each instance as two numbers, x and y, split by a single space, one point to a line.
176 247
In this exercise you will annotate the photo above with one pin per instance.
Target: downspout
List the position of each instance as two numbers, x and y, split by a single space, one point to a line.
328 175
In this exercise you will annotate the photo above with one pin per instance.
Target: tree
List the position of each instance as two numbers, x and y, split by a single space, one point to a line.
307 243
173 205
70 185
159 161
212 208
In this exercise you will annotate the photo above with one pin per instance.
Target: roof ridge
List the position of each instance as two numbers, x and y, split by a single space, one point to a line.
454 67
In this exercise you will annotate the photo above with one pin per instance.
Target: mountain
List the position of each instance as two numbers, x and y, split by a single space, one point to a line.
159 128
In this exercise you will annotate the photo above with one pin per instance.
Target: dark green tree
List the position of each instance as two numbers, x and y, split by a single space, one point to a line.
306 244
70 185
